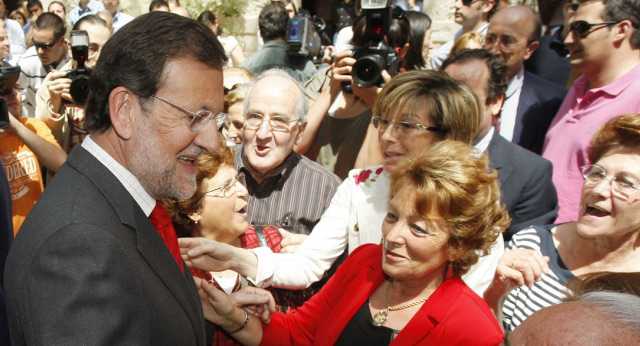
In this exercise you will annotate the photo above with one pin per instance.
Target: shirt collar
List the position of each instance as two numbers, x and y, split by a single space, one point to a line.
481 145
126 178
515 83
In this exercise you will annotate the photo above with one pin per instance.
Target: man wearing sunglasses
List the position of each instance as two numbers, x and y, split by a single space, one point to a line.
604 44
472 15
97 260
530 101
48 52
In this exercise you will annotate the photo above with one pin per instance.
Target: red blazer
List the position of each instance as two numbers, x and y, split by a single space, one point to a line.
453 315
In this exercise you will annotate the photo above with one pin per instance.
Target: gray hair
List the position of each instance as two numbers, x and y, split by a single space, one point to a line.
621 307
302 104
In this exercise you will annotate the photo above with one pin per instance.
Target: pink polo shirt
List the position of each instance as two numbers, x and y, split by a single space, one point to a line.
569 135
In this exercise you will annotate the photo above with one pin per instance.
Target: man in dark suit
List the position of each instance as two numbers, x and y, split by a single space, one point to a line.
525 178
530 102
88 265
6 237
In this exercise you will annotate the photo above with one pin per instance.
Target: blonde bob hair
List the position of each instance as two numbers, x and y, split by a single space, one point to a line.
451 105
460 193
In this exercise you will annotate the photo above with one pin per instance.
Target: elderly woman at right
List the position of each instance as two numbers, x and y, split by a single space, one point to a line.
534 273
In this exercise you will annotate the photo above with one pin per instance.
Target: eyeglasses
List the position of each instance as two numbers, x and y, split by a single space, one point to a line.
582 28
200 118
45 46
403 128
229 188
508 43
623 183
278 123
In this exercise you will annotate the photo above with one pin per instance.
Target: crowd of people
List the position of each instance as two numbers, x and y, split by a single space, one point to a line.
162 187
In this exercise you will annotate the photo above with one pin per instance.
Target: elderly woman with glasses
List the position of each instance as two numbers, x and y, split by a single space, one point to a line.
415 110
444 210
534 273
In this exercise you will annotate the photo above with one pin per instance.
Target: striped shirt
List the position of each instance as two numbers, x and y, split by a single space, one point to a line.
294 198
523 301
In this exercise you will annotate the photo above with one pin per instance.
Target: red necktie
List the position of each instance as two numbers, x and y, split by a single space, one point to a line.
161 220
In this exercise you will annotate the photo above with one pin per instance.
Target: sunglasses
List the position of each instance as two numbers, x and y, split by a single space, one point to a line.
468 2
45 46
582 28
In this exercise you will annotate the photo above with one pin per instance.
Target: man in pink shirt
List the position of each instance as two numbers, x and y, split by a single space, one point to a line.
604 43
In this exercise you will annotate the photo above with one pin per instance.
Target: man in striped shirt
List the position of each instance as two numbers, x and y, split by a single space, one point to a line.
286 189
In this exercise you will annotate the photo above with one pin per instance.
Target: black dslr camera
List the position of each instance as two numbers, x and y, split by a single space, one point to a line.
8 79
80 76
376 56
306 36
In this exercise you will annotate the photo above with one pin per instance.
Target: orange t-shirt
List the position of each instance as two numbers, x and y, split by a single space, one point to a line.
23 170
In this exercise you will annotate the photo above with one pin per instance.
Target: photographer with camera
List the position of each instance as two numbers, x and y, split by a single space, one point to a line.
273 22
55 105
25 144
339 135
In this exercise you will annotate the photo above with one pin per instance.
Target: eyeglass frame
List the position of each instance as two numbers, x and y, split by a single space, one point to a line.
45 46
219 118
470 2
408 125
613 180
502 44
572 28
230 185
255 128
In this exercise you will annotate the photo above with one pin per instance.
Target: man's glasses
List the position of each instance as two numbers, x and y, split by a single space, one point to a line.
44 46
229 188
508 43
582 28
623 184
200 118
403 128
278 123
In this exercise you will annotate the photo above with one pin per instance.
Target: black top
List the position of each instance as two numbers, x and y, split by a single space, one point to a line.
361 330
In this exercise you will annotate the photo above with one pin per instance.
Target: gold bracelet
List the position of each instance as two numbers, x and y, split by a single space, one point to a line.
244 324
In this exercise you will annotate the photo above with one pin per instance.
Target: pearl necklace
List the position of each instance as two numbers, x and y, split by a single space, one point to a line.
380 318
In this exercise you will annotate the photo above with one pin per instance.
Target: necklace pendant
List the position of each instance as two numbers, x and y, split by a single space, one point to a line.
380 318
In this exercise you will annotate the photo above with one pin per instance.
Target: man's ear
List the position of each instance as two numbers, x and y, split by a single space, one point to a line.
488 6
531 47
622 32
300 132
122 108
495 106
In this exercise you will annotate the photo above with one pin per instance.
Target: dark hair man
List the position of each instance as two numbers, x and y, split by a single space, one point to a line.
273 22
98 271
530 101
472 15
525 178
49 52
604 43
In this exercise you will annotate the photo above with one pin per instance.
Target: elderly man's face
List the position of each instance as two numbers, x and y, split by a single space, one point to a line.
265 149
163 149
508 37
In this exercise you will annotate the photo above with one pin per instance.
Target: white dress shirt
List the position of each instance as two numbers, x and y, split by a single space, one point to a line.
510 106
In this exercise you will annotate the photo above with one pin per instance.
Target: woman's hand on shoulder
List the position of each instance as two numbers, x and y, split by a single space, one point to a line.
516 268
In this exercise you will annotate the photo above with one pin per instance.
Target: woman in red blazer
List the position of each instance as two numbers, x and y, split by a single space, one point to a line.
444 210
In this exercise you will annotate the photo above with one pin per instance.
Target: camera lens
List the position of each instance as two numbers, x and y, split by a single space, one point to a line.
366 71
79 90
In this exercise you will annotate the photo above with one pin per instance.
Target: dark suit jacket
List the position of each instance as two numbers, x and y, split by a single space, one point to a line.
88 267
525 181
539 102
6 237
